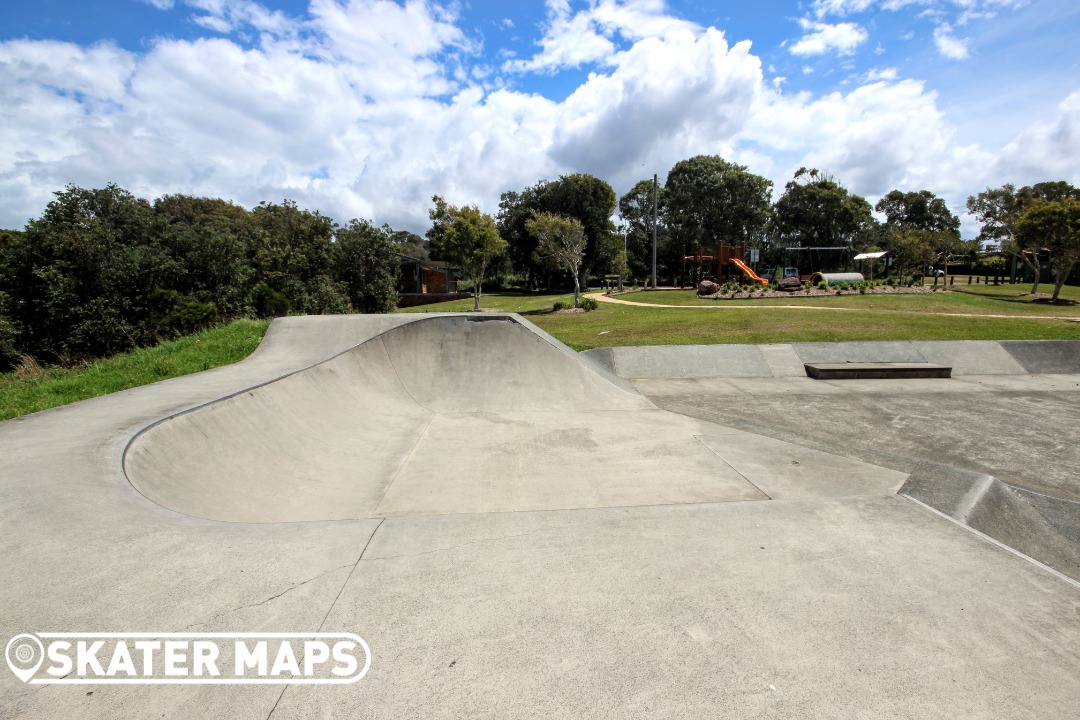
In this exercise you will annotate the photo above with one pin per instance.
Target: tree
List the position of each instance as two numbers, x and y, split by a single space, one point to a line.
365 262
467 238
442 217
411 244
292 256
561 242
1055 225
816 211
921 210
81 279
710 200
999 210
636 211
910 248
516 209
939 229
590 201
584 197
211 240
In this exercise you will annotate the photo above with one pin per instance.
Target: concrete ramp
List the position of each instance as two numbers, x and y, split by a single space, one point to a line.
493 363
1040 526
461 414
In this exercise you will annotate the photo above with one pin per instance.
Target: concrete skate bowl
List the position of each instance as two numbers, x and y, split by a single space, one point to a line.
324 443
462 414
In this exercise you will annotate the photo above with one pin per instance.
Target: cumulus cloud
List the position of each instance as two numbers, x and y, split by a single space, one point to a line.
1045 150
971 8
882 74
572 39
366 108
820 38
949 45
224 16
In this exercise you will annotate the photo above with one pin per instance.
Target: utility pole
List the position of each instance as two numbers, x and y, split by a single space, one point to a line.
654 231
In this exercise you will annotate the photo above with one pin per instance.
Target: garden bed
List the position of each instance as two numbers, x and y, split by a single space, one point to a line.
820 292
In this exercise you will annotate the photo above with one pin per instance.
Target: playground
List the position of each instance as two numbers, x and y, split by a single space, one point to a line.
517 529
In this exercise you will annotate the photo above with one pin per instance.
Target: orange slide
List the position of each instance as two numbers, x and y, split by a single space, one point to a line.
747 271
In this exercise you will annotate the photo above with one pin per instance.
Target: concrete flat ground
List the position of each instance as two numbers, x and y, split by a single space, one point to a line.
517 531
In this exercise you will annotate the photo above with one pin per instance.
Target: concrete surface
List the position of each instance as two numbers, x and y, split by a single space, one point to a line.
767 567
1045 356
966 357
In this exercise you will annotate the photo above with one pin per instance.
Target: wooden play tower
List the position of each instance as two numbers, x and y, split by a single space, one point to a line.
720 264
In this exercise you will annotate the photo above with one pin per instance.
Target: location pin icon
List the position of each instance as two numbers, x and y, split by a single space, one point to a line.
24 654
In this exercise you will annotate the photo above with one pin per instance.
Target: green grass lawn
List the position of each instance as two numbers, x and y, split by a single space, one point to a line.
849 317
33 389
975 299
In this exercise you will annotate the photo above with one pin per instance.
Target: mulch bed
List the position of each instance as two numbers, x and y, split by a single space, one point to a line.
817 292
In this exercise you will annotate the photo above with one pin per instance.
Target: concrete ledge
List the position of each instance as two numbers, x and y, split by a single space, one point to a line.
875 371
965 357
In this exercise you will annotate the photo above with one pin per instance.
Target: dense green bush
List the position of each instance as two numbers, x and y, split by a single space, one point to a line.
102 271
589 304
269 303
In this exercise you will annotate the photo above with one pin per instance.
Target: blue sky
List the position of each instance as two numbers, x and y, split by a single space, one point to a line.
366 108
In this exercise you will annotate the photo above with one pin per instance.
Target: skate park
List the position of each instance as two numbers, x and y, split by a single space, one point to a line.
519 530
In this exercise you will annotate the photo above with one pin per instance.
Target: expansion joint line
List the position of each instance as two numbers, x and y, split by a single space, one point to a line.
404 462
719 457
332 605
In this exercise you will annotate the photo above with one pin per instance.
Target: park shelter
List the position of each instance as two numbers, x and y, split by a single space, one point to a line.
426 281
871 257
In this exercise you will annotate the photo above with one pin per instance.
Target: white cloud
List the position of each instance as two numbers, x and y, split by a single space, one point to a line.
972 9
886 74
224 16
820 38
949 45
1046 150
369 107
588 36
841 7
160 4
666 96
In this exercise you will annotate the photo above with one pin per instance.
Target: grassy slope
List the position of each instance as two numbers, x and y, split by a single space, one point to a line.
25 392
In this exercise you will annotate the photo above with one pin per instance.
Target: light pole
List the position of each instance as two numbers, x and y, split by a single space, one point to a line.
654 231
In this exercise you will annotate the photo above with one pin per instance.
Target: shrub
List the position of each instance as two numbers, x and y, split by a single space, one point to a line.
560 305
191 316
268 302
9 352
589 304
823 285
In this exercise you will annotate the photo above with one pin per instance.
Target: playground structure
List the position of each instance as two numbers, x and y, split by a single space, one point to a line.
836 278
822 259
733 255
